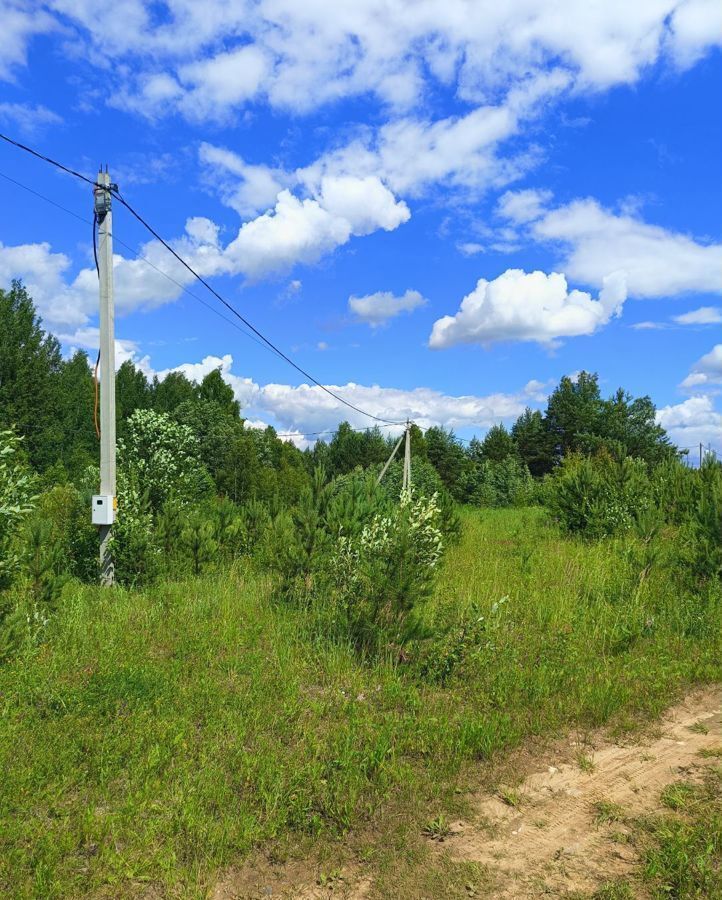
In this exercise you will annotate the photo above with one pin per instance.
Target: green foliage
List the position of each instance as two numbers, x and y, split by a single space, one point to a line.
17 498
704 530
198 540
506 482
598 496
534 442
45 567
158 737
159 459
30 365
380 577
498 444
447 457
134 546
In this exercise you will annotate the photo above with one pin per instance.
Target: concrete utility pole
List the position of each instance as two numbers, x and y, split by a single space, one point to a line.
105 503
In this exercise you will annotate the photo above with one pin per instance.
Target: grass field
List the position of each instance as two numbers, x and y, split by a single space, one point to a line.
156 737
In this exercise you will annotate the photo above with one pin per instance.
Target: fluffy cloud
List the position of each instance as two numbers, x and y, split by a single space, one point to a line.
693 422
294 231
375 309
521 306
706 372
696 26
20 23
705 315
406 156
254 188
67 302
307 408
304 230
595 241
203 58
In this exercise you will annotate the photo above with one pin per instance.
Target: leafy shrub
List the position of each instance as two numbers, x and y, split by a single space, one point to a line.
198 542
704 530
461 645
134 547
504 482
17 499
425 482
160 460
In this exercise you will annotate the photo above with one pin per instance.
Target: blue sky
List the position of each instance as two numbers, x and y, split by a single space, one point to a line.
439 208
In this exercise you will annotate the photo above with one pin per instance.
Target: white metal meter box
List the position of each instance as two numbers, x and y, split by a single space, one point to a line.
104 506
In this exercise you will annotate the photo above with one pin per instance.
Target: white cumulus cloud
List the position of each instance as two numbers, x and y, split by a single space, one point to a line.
533 306
706 372
378 308
594 241
304 408
692 422
303 230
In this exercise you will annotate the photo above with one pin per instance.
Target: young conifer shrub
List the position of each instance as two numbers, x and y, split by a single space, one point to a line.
381 577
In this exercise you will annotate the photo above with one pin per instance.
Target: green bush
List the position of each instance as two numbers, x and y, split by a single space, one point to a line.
17 498
704 529
381 576
598 496
503 482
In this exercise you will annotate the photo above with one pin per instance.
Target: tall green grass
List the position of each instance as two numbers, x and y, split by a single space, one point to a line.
156 736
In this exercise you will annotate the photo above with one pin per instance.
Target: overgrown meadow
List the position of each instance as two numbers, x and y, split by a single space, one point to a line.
296 654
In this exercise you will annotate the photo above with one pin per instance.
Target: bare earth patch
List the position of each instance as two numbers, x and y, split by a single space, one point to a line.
551 835
556 839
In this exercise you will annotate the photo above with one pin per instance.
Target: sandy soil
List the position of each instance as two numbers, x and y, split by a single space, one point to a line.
542 837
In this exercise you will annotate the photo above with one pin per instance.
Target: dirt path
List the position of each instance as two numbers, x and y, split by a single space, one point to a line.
555 840
549 836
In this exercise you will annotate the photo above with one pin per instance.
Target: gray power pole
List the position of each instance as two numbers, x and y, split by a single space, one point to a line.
406 486
104 504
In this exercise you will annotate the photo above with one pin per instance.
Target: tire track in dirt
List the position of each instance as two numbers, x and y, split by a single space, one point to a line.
550 843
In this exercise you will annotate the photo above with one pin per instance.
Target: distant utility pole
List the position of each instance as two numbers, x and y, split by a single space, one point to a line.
105 503
407 459
701 454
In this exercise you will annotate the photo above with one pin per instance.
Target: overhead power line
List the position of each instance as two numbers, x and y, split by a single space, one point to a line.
139 256
199 278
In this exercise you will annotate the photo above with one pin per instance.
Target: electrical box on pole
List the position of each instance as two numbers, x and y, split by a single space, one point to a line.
104 503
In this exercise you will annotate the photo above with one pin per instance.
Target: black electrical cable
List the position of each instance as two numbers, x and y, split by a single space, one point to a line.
229 306
47 159
245 321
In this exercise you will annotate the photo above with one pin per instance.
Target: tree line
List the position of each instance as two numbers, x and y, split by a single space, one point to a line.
48 401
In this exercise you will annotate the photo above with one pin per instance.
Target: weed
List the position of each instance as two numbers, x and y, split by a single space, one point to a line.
614 890
510 797
711 753
585 763
677 795
699 728
437 828
607 812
